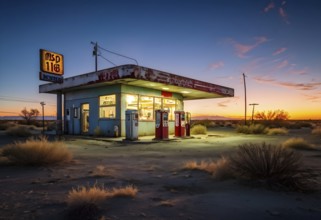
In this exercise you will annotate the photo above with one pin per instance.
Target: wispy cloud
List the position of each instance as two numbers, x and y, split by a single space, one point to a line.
279 51
298 71
223 104
298 86
242 49
313 98
281 10
283 64
216 65
270 6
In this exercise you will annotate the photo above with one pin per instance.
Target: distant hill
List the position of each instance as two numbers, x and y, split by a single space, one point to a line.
212 117
18 118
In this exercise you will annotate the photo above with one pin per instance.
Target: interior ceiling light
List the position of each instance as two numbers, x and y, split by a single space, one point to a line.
185 92
165 88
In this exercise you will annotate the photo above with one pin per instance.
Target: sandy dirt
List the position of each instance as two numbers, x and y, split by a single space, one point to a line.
155 168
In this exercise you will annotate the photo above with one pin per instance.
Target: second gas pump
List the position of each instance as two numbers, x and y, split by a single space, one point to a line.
161 125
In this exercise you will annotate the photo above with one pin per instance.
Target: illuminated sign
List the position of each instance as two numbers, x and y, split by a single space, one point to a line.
51 62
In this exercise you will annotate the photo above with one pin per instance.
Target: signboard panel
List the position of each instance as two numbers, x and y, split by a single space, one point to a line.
51 62
50 77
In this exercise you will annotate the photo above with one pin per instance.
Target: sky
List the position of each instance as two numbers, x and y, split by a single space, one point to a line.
275 43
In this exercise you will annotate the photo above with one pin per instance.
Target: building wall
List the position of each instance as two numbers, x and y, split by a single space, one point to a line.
75 99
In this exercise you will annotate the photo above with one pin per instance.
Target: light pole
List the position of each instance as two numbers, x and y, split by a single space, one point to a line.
43 117
244 98
253 104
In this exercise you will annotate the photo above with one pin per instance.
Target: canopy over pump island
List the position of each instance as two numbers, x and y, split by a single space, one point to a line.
148 99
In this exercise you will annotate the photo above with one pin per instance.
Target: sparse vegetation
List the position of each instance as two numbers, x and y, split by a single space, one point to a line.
99 171
269 164
128 191
84 201
316 131
298 144
252 129
276 115
4 125
87 195
277 131
37 152
219 169
198 129
18 130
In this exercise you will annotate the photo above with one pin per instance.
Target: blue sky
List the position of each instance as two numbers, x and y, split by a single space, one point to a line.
275 43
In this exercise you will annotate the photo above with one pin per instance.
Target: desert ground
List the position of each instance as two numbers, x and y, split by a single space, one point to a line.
165 190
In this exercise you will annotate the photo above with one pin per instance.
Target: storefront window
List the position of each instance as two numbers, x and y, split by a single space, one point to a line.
158 103
179 105
169 104
131 102
107 106
146 105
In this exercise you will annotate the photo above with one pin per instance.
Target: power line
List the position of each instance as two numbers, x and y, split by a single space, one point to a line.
21 100
107 59
118 54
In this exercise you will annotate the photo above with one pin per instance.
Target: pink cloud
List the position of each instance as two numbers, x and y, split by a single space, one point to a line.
298 86
242 49
313 98
216 65
282 13
283 64
279 51
269 7
299 72
223 103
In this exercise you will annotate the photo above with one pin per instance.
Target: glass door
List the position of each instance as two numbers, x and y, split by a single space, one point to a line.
84 118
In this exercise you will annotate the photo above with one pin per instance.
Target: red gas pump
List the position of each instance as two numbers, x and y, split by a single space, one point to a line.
179 123
188 123
161 125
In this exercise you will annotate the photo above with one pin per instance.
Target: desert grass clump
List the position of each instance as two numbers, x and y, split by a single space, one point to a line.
316 131
298 144
275 166
220 169
87 195
37 152
277 131
252 129
99 171
199 129
18 130
127 191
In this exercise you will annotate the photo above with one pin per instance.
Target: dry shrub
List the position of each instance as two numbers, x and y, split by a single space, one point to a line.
298 144
275 166
128 191
87 195
98 194
219 169
316 131
37 152
277 131
199 129
5 125
99 171
252 129
18 130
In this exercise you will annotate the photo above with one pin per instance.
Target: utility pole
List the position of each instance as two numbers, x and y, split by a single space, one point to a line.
95 53
253 104
245 98
43 117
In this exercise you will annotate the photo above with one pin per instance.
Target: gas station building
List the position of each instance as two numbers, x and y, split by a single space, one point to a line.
101 99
